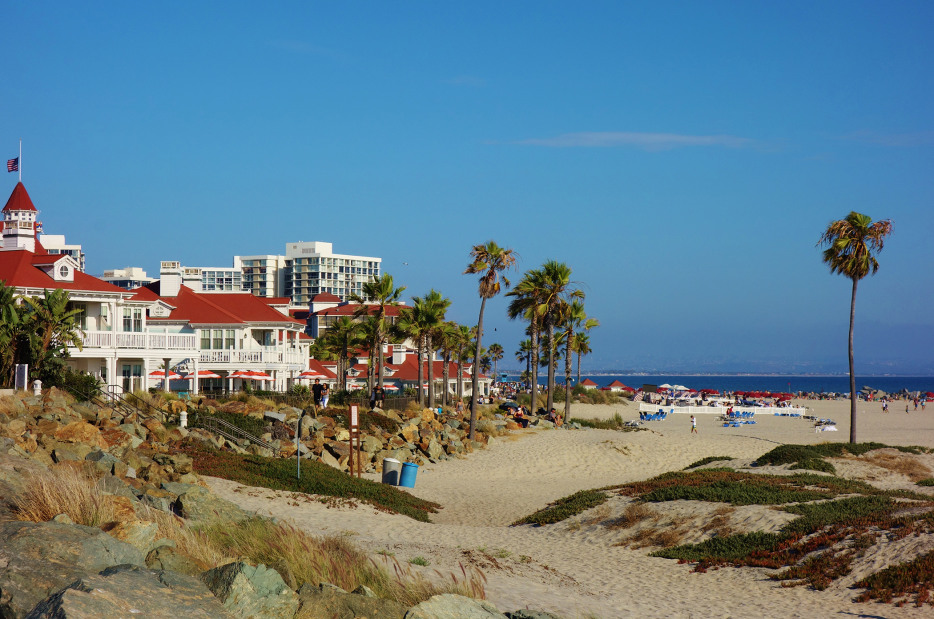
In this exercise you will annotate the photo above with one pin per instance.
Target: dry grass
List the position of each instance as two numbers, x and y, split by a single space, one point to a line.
190 542
597 515
904 464
633 515
664 537
64 490
302 558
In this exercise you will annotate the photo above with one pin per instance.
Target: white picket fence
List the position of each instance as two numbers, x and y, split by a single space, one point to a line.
789 411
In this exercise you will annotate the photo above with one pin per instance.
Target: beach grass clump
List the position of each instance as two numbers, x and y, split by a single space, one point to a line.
562 509
723 549
616 422
906 582
707 460
302 558
926 482
64 490
247 423
317 478
798 454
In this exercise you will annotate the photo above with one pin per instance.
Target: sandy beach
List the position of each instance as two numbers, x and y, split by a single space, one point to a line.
573 568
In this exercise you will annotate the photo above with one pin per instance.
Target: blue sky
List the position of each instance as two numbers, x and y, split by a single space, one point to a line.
682 157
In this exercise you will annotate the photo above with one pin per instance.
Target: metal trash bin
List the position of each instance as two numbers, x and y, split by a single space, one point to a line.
407 477
391 470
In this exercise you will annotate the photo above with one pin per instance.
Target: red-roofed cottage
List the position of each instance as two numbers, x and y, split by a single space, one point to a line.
128 334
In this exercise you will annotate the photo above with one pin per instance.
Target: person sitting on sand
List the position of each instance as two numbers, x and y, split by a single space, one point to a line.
520 418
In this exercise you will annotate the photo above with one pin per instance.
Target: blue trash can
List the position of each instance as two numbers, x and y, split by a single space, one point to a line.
407 476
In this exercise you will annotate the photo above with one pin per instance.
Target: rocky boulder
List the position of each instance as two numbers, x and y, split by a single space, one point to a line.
248 591
37 559
126 590
449 605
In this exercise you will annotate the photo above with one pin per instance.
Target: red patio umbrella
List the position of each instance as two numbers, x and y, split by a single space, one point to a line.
161 374
203 374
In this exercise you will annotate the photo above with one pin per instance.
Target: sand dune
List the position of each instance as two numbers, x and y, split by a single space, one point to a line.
573 568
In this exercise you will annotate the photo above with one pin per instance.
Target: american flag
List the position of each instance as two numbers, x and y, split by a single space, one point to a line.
12 165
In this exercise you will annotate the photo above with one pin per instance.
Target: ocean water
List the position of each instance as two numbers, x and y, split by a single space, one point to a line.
816 384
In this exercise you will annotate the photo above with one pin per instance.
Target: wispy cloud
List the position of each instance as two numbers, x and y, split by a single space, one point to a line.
645 141
918 138
466 80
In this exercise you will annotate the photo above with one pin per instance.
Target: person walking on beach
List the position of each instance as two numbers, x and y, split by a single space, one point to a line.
693 425
316 392
885 406
325 394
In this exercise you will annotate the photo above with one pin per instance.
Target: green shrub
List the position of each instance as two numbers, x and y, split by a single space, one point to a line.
317 478
563 509
815 464
927 482
81 385
707 460
729 548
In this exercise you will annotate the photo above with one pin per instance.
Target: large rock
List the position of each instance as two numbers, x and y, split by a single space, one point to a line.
125 591
81 432
449 605
248 591
141 534
38 559
328 602
201 505
169 558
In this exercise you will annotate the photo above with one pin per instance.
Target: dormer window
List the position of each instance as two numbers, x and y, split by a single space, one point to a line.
64 271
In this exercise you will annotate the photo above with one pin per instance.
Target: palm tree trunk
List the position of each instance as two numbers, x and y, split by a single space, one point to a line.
551 366
475 382
534 362
431 373
418 393
852 374
578 368
567 377
446 376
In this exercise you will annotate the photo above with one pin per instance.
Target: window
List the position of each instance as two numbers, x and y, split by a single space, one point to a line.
105 318
218 343
63 271
230 339
205 339
81 318
137 319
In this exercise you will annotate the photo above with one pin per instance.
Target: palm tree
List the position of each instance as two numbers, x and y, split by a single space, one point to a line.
448 338
524 355
490 261
11 324
851 247
422 322
52 328
556 290
495 353
465 339
525 305
574 317
380 293
581 347
340 339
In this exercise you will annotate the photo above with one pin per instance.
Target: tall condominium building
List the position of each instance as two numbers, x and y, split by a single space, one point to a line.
263 275
55 245
129 278
312 268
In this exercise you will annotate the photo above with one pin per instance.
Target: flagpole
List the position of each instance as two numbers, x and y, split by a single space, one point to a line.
20 166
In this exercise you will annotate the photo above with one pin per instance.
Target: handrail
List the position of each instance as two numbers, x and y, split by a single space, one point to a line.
118 399
229 430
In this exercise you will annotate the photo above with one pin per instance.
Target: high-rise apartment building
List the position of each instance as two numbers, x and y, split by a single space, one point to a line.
313 267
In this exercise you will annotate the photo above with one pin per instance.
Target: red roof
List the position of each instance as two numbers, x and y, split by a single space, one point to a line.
19 200
18 268
588 383
325 297
620 385
317 366
215 308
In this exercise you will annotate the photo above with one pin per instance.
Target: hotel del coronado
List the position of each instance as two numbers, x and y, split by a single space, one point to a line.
215 340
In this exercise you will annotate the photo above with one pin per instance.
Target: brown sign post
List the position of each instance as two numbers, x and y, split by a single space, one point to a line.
354 437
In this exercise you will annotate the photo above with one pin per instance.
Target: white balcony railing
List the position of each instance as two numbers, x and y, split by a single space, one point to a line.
142 341
253 356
